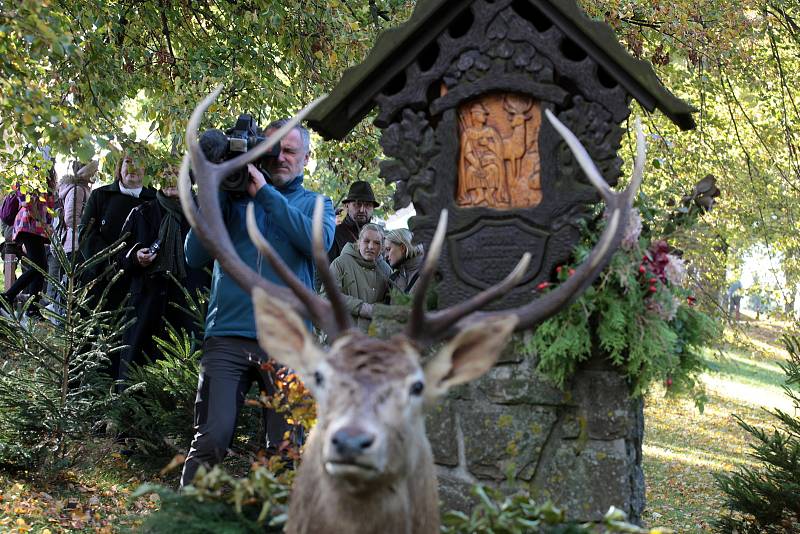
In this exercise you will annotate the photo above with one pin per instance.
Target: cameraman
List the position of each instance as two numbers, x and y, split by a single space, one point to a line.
232 357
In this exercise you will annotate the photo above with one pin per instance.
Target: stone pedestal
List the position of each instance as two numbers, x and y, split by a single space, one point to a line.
511 429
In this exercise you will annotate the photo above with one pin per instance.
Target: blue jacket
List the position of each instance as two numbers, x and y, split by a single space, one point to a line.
285 218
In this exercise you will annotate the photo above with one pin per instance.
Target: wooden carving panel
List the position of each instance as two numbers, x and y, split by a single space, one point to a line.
499 164
463 131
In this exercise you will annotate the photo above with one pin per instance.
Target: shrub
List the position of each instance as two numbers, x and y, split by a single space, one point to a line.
259 502
218 503
156 410
766 498
519 514
640 312
53 388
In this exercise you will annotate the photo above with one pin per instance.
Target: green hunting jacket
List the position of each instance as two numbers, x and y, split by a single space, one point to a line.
360 281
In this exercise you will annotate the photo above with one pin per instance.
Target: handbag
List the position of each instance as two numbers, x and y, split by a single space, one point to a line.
9 208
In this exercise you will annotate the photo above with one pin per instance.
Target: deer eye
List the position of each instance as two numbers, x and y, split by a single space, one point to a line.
417 388
318 378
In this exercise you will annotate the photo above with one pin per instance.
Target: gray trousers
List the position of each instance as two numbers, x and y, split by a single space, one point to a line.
227 370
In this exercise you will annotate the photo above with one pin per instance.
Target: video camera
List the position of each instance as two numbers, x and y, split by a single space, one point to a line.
221 146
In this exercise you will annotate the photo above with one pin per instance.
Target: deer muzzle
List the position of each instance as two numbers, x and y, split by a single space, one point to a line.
353 452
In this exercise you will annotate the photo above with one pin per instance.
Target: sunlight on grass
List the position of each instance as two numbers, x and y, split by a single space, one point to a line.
684 448
754 395
691 457
751 360
778 353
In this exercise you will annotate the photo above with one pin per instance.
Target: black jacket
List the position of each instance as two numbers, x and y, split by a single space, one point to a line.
346 232
104 214
142 225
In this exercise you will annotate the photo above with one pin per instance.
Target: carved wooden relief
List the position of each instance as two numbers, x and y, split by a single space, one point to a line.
499 152
463 130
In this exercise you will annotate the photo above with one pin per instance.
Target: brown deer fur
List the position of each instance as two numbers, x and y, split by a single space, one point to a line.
369 384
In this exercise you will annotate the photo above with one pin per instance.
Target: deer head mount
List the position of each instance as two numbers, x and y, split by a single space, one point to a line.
368 466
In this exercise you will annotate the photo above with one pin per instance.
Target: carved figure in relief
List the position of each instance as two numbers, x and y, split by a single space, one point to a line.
482 168
499 160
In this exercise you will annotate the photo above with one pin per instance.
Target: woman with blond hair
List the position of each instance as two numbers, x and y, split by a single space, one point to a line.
102 219
404 257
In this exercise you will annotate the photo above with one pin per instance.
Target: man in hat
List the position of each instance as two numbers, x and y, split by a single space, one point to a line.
359 203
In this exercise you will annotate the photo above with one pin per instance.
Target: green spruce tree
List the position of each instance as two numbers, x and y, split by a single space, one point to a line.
54 384
766 498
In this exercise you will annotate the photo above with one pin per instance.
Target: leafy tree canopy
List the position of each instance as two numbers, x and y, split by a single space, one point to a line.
737 62
76 74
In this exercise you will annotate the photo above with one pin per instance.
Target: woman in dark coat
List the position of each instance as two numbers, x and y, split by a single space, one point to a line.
153 255
404 257
101 224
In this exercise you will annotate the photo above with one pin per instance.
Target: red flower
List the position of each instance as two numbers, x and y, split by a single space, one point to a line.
542 286
691 300
657 259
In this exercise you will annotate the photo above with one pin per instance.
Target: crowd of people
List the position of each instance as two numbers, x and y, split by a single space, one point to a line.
369 265
153 259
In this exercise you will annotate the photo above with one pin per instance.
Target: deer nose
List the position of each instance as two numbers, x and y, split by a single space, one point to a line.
350 442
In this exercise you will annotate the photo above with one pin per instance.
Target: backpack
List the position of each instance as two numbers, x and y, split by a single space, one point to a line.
9 208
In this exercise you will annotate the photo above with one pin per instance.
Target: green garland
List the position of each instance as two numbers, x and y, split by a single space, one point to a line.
639 313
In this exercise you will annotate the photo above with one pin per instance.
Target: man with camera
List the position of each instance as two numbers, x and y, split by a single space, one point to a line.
232 358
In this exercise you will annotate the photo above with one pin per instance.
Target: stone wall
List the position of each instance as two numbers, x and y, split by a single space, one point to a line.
511 429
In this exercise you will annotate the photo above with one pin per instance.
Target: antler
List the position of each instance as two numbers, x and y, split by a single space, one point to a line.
424 326
431 326
214 235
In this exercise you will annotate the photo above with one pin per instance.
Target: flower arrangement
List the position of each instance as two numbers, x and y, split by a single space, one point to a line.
640 312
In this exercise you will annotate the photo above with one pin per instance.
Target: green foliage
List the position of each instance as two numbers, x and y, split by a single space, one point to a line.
257 501
563 342
737 63
82 76
53 391
766 498
519 514
218 502
156 411
639 313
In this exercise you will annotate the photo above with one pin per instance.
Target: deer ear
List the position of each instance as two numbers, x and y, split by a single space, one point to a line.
469 355
283 335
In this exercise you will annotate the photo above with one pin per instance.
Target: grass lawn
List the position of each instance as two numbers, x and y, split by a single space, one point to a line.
684 448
